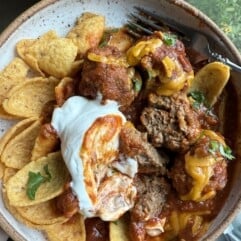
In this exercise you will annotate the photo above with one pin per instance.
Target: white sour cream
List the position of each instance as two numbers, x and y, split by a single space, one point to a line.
72 121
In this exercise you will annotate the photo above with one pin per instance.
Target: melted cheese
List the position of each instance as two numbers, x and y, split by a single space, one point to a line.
89 133
175 77
178 221
201 170
108 60
142 48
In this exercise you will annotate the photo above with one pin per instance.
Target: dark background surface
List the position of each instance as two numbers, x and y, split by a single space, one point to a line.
10 9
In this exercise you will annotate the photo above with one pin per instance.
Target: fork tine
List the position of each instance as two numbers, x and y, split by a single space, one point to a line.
184 31
138 27
147 22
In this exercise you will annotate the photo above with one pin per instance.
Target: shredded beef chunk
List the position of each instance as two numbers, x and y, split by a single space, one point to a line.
152 191
170 121
109 78
146 218
134 144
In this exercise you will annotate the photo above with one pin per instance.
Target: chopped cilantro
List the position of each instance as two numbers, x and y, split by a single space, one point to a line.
35 180
106 37
169 39
214 145
225 151
198 97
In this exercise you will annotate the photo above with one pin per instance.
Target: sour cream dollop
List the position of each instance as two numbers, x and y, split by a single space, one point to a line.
102 179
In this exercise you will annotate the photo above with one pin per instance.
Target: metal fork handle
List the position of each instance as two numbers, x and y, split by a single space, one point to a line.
189 32
226 61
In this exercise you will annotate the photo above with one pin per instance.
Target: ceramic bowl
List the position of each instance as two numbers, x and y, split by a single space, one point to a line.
60 15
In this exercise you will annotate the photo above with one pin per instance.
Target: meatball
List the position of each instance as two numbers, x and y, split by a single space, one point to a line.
106 75
171 122
134 144
152 192
200 173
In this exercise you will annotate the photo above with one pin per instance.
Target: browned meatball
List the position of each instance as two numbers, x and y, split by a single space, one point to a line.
108 77
171 122
175 51
134 144
152 191
183 182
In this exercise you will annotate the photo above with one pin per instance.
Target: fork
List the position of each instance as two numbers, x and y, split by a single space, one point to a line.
145 21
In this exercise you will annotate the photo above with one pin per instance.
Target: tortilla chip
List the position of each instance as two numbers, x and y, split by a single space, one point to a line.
7 116
14 131
17 152
30 49
57 59
88 32
10 76
17 215
17 68
2 168
73 230
16 187
46 142
49 54
8 172
119 230
28 98
64 90
43 213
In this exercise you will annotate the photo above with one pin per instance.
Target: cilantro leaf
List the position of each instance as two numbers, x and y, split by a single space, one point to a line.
169 39
214 146
198 97
35 180
226 152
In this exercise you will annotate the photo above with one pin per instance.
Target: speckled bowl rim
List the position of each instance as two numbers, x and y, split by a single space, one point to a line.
5 225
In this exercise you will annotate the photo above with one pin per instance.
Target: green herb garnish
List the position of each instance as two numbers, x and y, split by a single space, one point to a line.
199 99
106 37
35 180
214 146
225 151
169 39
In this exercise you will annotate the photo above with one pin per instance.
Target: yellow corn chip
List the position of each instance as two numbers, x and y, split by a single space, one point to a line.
8 172
74 230
28 98
88 32
16 186
17 215
17 152
49 54
2 168
14 131
58 57
30 49
46 142
15 72
43 213
119 229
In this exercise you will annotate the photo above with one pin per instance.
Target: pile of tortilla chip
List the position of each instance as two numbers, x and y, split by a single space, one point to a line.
32 169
